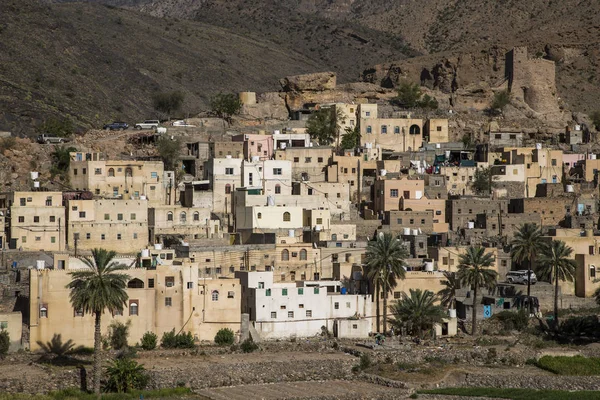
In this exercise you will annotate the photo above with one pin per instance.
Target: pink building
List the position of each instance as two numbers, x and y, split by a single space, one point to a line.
256 145
571 159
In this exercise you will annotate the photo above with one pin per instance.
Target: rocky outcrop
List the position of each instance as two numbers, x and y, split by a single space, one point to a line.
309 82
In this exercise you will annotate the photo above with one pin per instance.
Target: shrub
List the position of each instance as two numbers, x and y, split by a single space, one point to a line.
170 340
364 361
125 375
564 365
224 337
168 103
57 127
119 332
501 100
149 341
595 116
513 320
4 342
248 346
8 143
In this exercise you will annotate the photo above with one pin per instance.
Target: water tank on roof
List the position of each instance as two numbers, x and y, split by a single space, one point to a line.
40 264
415 232
228 156
36 184
592 156
406 231
276 132
255 158
452 313
282 145
538 146
270 200
34 175
145 253
291 233
343 290
429 266
470 225
569 189
158 246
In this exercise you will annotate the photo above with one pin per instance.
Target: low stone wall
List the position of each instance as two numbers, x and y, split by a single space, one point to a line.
216 375
555 382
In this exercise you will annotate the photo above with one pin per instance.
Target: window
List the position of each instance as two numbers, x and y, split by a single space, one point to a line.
23 201
290 314
169 216
284 292
118 236
118 313
369 129
132 216
273 314
227 189
36 219
230 294
303 254
277 171
120 217
21 219
111 172
228 171
215 295
168 302
383 129
397 295
287 217
52 218
190 285
78 312
309 313
97 171
396 130
133 307
393 192
75 171
307 160
84 171
81 214
53 239
316 290
88 236
445 260
259 216
300 291
106 217
196 216
285 255
554 162
44 311
169 281
151 283
277 189
103 237
183 217
336 305
296 159
268 292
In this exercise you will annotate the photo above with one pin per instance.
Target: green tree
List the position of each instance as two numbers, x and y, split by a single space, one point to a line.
168 102
4 342
169 151
57 127
118 334
428 102
385 259
447 295
226 105
125 375
409 95
351 138
59 348
483 181
474 271
417 312
501 100
324 125
61 160
99 287
224 337
527 243
555 262
595 117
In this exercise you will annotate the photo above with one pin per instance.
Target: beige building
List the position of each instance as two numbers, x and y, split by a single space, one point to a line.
459 180
394 134
587 274
126 179
308 163
436 131
273 177
436 206
225 175
12 322
389 192
37 221
184 223
160 300
111 224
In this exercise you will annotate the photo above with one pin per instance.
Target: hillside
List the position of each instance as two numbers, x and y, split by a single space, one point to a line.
93 64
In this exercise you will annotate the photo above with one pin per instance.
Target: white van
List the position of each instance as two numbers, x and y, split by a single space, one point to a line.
520 276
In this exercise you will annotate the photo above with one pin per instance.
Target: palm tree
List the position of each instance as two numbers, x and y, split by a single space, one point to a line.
474 270
384 264
96 289
59 348
526 244
555 263
447 295
417 312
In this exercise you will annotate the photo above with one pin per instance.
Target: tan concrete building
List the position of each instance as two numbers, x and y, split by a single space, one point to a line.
160 300
184 223
37 221
12 322
436 206
225 175
586 274
436 131
308 163
111 224
459 180
273 177
126 179
395 134
552 210
389 192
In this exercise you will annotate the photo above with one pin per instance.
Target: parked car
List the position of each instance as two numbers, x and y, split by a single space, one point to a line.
183 123
148 124
116 126
47 139
520 277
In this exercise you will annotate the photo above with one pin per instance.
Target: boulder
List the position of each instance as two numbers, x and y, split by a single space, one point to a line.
309 82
